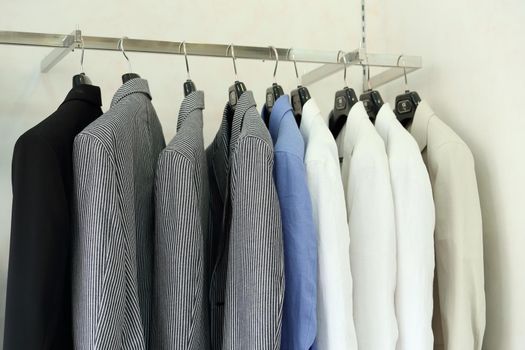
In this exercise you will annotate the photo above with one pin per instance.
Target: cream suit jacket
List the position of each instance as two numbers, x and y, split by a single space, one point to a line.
459 310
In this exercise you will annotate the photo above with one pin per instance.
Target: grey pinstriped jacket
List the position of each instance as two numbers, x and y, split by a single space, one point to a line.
180 281
247 283
114 163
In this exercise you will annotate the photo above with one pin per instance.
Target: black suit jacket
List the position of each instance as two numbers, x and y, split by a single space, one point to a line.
38 310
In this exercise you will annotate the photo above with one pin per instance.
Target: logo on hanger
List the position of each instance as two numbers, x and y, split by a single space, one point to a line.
340 103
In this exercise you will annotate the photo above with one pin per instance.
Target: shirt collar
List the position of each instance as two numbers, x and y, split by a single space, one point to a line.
85 92
279 110
136 85
350 132
190 103
310 113
419 127
384 120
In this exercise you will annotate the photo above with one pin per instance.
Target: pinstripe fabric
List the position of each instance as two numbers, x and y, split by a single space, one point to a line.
248 278
217 155
114 162
180 281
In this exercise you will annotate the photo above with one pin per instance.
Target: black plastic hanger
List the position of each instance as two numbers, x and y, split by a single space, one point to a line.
273 92
344 100
188 86
371 100
238 88
406 104
298 96
127 76
81 78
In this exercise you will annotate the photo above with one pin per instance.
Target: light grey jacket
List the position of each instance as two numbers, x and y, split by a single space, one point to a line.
114 162
180 317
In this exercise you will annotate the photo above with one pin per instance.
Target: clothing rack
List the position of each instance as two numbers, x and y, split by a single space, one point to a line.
64 43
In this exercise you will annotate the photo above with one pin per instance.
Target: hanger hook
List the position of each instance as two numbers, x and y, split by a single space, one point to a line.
404 70
295 65
82 54
272 48
120 46
368 74
344 64
368 78
233 57
183 45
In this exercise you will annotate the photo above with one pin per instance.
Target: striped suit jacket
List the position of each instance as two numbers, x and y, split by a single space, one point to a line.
180 279
247 283
114 163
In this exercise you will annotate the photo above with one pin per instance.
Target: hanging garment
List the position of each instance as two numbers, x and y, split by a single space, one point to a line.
335 326
459 306
370 210
218 163
414 215
114 161
38 305
180 279
247 286
299 325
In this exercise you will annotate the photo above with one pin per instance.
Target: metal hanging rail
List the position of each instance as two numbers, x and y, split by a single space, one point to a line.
411 63
65 43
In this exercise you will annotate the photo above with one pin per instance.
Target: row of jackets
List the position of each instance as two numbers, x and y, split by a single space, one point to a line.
275 236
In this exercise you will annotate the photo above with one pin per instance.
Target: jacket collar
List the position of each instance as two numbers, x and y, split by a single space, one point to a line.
192 102
419 127
221 151
308 118
132 86
245 102
350 132
85 92
279 110
226 139
385 119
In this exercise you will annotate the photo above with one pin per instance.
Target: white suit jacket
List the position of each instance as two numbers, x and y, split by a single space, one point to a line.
370 211
414 213
335 326
460 307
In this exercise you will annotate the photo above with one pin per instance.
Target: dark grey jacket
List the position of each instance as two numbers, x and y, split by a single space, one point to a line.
247 283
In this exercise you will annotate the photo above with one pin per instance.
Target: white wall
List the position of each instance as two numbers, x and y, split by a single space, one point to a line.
472 78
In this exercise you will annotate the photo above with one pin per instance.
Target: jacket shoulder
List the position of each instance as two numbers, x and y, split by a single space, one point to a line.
254 129
441 136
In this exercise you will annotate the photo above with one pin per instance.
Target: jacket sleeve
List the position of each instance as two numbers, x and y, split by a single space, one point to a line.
255 273
39 250
459 248
336 329
179 288
300 257
414 214
372 247
99 252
